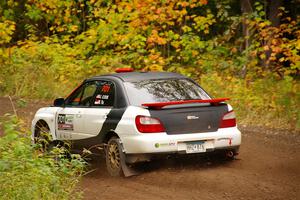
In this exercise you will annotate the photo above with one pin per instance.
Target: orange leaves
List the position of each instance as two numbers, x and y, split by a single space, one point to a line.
275 45
203 2
155 38
183 4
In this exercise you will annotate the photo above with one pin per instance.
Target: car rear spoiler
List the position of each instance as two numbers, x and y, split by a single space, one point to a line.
159 105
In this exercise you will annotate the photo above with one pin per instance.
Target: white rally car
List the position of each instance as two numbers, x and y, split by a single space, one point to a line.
137 115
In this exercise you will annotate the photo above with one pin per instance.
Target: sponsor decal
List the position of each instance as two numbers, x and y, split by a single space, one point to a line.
105 88
99 100
189 117
157 145
65 122
105 97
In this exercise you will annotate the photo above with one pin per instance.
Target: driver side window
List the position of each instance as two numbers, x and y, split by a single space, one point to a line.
88 94
83 96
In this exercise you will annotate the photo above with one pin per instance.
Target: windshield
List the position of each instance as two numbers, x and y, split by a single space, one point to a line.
163 90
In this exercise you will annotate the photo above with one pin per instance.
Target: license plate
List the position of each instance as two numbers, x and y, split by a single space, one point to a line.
195 147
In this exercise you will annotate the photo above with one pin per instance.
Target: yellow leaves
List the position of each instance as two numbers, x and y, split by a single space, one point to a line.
186 29
153 67
74 28
262 24
103 60
175 44
60 29
183 12
272 57
282 59
266 48
10 3
274 42
195 53
203 23
7 29
297 44
263 56
97 12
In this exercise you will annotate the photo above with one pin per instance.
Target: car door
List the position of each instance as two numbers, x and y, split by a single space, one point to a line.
101 105
70 120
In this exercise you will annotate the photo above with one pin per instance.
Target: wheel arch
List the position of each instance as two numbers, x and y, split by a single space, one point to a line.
109 135
38 124
43 122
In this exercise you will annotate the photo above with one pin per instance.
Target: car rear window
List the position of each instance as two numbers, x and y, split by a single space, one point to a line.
163 90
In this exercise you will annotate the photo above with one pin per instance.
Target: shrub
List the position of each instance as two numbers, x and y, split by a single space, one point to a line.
265 102
26 173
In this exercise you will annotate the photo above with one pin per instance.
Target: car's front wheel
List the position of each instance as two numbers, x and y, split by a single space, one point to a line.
43 137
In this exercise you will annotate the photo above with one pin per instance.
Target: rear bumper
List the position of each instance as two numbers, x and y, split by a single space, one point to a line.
225 138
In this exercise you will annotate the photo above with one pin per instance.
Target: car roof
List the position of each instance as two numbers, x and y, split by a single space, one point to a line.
138 76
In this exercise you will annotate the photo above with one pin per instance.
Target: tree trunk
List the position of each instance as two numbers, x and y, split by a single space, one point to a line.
274 6
246 9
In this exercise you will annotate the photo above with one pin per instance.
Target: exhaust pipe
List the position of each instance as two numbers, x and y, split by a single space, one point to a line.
229 154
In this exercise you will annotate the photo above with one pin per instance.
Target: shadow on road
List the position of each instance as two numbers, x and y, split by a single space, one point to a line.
96 163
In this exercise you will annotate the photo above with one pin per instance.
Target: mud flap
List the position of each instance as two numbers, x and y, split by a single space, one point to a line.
127 170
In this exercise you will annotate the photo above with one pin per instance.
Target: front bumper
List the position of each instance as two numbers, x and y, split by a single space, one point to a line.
163 143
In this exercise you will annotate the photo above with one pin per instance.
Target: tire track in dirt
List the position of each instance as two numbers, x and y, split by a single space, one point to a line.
267 168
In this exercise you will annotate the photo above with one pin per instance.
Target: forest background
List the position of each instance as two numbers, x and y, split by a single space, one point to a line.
243 49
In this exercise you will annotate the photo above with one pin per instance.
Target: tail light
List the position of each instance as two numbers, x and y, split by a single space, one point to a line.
146 124
228 120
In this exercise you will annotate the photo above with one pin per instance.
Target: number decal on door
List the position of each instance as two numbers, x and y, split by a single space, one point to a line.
65 122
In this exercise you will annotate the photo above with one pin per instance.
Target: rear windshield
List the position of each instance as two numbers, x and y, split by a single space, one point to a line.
163 90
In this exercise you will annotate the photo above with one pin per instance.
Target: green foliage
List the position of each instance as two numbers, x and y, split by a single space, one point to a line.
35 69
26 173
263 102
49 46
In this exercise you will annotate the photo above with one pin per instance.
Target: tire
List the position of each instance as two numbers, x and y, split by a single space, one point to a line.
113 157
43 137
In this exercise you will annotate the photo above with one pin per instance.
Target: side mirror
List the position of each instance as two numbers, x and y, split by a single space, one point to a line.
59 102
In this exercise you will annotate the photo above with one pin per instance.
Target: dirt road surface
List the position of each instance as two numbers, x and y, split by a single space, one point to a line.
268 167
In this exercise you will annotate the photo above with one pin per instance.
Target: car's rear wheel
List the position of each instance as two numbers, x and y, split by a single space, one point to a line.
114 157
